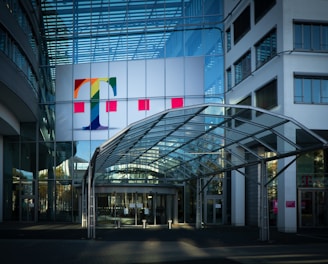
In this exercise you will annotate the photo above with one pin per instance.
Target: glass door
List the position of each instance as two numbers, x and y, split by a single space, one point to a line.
27 209
125 208
313 207
306 209
213 214
321 208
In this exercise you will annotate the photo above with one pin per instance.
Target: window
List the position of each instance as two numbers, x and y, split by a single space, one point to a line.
311 36
242 113
242 25
262 7
229 79
266 48
246 101
310 89
228 35
243 67
266 97
3 38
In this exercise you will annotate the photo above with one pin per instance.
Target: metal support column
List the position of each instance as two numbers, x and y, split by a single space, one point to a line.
91 206
199 204
84 206
264 209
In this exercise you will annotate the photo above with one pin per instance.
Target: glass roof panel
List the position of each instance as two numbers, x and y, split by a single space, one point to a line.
86 31
200 149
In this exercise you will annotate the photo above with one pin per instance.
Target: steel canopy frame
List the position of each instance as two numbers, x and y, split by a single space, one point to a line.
201 141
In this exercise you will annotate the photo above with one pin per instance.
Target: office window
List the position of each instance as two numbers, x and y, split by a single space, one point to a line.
242 25
229 79
311 36
246 101
262 7
3 38
229 113
243 67
310 90
228 35
244 113
266 97
266 48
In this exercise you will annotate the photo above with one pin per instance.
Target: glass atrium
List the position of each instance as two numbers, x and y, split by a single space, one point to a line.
83 31
158 167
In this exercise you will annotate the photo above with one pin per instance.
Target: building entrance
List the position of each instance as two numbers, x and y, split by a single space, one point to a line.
213 211
313 207
27 209
24 201
134 208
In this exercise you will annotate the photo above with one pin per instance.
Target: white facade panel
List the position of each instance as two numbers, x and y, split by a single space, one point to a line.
136 79
156 78
174 77
95 101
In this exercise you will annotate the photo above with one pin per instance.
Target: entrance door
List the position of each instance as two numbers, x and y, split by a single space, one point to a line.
27 209
213 213
26 198
126 208
313 207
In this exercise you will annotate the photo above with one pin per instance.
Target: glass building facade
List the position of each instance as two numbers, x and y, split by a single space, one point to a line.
75 74
43 172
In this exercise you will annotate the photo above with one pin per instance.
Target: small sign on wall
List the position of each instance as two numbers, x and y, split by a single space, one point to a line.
290 204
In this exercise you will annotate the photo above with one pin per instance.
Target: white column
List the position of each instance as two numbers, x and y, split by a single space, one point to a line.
237 198
238 193
287 197
1 179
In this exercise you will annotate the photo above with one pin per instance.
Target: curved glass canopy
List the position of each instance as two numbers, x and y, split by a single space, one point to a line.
199 141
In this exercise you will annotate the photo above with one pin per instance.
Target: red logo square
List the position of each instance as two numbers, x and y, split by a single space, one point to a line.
78 107
111 106
177 102
143 104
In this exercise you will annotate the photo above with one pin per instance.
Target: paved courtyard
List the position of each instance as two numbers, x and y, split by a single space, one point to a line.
182 244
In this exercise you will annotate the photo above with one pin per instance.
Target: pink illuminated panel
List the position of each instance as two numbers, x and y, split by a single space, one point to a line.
111 106
78 107
143 104
176 102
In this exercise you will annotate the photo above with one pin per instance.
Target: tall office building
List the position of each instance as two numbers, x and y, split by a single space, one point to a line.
276 59
76 73
128 95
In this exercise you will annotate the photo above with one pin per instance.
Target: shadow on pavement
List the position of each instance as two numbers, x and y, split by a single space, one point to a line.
207 237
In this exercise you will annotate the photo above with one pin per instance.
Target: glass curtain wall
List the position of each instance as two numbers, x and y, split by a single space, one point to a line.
132 208
41 174
312 186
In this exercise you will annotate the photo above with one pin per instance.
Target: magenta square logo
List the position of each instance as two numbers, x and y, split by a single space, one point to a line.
143 104
290 204
111 106
78 107
177 102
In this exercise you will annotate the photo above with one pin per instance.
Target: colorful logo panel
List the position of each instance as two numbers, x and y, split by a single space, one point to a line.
94 98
